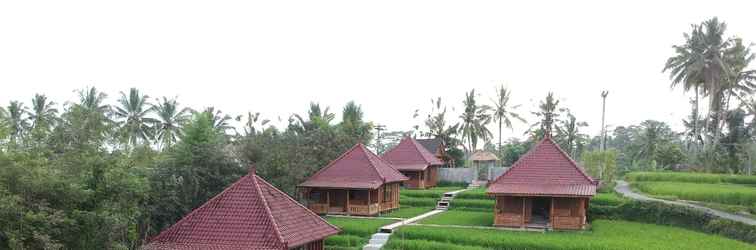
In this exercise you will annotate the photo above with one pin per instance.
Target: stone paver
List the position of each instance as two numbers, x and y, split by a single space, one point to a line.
624 188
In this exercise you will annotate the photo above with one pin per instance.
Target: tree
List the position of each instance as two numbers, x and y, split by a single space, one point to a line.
503 111
601 164
437 128
169 122
43 115
548 115
4 130
17 120
86 123
317 118
353 125
254 124
133 111
569 136
475 120
194 170
220 120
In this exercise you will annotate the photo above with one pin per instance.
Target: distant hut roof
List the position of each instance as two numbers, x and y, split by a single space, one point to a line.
250 214
546 170
410 155
432 145
483 156
357 168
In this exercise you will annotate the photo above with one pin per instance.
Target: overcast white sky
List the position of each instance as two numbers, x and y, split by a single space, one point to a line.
392 57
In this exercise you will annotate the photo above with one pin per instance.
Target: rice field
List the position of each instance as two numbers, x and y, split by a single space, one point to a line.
461 218
407 211
690 177
733 194
355 232
605 234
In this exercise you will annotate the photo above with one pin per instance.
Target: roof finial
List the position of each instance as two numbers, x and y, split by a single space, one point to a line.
252 169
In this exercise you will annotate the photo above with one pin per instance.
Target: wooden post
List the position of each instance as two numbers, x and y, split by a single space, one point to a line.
347 201
368 203
522 215
551 213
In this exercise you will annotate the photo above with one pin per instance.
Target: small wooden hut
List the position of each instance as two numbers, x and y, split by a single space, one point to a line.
545 188
415 162
357 183
250 214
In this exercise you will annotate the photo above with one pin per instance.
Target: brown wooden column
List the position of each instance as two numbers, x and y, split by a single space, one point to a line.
347 202
522 219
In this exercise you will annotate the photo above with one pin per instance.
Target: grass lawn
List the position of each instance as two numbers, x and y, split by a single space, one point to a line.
690 177
731 194
462 218
355 232
605 234
607 199
478 194
407 212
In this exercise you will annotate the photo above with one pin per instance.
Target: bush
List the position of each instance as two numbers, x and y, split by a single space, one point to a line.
451 184
673 215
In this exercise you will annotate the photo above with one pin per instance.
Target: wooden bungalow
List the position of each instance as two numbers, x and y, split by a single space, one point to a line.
250 214
357 183
415 162
545 188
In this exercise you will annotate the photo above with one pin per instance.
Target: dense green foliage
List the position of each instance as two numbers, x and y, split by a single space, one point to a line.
603 235
601 165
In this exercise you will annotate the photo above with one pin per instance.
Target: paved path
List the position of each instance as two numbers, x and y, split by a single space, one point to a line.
379 239
624 188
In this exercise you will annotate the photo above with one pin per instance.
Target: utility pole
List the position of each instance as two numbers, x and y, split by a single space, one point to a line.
603 117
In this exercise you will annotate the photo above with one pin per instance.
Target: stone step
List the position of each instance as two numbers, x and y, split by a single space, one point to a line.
381 236
377 241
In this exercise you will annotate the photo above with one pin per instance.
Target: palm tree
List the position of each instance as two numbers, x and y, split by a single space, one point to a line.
317 118
475 118
220 120
132 111
700 63
569 134
251 126
4 130
43 115
352 123
169 122
503 111
17 120
548 117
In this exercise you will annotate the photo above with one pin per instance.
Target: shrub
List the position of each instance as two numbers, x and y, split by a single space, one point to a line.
451 184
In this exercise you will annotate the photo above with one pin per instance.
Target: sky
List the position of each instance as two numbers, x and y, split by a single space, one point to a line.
391 57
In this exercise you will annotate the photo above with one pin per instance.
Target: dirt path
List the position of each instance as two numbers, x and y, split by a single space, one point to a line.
624 188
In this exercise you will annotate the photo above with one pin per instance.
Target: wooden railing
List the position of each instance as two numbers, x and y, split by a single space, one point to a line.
508 219
318 208
389 205
363 209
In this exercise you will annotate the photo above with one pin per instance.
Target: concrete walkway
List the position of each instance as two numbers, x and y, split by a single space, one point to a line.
624 188
381 238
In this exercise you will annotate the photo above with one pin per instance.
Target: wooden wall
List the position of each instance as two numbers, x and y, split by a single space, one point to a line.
565 213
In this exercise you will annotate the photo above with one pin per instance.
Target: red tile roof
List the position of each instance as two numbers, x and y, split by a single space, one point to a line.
250 214
545 170
410 155
357 168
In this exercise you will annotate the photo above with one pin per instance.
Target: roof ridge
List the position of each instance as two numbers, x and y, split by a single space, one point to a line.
372 164
268 212
344 154
574 164
299 204
191 214
418 147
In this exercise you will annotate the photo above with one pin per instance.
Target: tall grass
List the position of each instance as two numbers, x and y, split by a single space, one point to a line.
716 193
355 232
691 177
407 211
604 235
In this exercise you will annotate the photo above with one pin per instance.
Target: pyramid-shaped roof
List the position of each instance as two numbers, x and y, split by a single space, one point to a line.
250 214
410 155
432 144
546 170
357 168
